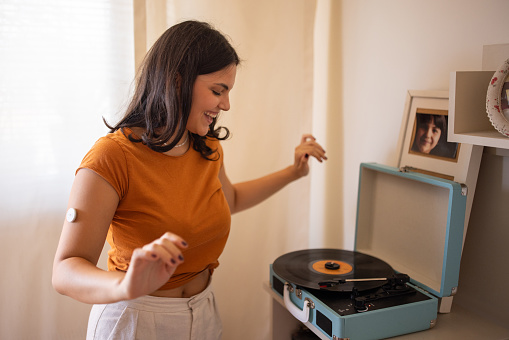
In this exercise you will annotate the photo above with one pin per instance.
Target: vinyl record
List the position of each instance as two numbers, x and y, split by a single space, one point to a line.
307 268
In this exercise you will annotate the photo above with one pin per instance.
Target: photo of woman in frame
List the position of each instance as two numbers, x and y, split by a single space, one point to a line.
430 135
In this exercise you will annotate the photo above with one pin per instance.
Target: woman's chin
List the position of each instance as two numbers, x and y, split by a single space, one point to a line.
200 132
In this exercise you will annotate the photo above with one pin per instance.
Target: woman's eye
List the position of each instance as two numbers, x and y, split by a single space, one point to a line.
216 93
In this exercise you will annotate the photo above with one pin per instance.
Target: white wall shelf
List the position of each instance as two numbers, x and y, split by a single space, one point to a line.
468 120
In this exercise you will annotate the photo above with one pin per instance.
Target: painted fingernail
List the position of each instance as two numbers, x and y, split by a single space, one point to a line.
184 243
173 261
181 258
307 156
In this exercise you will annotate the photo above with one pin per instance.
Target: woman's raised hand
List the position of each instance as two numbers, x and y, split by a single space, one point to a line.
307 147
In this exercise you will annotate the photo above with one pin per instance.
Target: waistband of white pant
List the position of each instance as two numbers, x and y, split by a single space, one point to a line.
163 304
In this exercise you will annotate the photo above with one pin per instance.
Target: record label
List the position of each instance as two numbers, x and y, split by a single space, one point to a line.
327 267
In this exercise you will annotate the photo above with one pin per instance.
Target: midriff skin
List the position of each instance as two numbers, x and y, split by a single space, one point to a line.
196 286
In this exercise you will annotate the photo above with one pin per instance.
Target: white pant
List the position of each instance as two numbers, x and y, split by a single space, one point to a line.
157 318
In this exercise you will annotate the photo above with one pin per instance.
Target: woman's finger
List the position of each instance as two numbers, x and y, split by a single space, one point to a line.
175 239
167 248
306 137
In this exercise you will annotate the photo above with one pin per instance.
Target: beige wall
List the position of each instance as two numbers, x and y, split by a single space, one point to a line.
389 47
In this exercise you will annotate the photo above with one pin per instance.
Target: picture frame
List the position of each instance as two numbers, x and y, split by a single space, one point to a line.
453 160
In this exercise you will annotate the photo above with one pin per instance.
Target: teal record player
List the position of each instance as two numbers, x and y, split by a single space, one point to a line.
404 268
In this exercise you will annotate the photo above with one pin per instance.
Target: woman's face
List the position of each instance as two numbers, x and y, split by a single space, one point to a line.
427 136
211 95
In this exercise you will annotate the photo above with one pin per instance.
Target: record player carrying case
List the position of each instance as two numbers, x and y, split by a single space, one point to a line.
408 242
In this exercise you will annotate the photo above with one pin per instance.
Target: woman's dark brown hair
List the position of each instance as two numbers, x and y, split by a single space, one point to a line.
162 99
439 120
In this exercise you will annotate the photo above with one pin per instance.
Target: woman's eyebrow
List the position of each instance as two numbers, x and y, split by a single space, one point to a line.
223 85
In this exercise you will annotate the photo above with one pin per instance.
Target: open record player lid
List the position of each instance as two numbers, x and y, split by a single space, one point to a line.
414 222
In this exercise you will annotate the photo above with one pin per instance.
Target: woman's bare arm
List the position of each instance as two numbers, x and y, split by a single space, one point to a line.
75 271
247 194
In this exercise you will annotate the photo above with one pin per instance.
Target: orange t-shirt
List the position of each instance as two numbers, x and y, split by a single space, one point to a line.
160 193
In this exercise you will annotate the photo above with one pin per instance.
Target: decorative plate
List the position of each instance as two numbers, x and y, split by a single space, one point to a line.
497 105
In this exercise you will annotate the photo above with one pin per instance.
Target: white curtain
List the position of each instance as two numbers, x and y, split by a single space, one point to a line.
63 65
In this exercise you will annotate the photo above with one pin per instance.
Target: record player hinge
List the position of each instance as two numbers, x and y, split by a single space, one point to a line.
464 189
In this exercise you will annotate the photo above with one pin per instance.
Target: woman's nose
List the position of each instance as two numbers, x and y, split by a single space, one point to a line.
224 105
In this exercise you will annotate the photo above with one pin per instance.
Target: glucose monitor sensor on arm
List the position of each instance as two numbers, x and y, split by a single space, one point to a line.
71 215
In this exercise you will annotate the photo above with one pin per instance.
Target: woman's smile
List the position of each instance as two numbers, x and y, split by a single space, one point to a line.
211 116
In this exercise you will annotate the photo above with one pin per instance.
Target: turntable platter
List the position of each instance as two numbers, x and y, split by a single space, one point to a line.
307 268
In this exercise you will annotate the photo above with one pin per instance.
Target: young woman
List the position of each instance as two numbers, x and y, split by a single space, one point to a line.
156 188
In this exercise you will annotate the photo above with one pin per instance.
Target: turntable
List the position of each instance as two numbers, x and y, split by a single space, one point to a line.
403 270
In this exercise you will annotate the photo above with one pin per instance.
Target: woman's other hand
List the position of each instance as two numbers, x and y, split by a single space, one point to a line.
307 147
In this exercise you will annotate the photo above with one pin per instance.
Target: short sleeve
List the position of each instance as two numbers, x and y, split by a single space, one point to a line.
108 160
